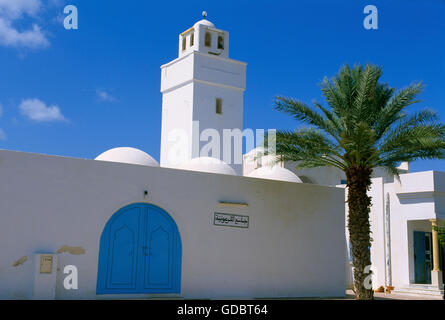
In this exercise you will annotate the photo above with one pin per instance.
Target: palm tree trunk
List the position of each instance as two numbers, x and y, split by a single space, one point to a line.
359 182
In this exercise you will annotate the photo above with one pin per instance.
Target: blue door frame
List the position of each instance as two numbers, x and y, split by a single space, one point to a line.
140 252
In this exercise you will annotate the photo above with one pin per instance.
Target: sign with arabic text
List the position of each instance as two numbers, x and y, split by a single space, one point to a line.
230 220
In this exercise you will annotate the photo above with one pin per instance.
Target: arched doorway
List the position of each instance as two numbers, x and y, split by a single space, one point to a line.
140 252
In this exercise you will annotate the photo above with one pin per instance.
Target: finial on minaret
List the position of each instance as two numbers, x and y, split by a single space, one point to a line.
204 14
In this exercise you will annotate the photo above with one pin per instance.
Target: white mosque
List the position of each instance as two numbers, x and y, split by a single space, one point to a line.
124 226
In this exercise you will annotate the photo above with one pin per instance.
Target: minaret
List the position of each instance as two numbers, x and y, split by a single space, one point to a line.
203 85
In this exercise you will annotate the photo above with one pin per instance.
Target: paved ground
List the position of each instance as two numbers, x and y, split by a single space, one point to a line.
393 296
377 296
349 296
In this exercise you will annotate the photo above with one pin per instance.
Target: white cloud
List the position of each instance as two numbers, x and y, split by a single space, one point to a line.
14 10
11 37
37 110
104 96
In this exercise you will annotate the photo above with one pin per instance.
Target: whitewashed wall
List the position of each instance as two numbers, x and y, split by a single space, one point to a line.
377 219
295 245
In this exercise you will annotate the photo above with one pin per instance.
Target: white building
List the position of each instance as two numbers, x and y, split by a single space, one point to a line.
128 227
405 253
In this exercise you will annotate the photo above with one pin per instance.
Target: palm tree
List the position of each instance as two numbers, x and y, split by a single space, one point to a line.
364 127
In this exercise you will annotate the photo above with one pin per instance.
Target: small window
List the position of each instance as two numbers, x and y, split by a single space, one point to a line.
192 39
220 42
208 39
218 108
184 44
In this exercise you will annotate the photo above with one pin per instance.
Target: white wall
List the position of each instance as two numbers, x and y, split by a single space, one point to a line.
218 70
413 203
177 114
293 247
377 220
176 72
231 118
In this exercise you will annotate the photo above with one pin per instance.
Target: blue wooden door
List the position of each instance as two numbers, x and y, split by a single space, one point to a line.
160 253
422 257
140 252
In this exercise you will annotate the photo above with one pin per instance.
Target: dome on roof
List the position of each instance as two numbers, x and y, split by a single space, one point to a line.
128 155
204 22
275 173
208 164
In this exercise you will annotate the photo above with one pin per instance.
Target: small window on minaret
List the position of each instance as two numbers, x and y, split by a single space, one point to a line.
220 42
192 39
218 106
208 40
184 44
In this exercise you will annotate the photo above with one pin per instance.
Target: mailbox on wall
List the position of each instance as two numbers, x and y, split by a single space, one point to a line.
46 263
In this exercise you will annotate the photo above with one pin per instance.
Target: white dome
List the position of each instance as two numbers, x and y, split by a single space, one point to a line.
207 164
204 22
128 155
275 173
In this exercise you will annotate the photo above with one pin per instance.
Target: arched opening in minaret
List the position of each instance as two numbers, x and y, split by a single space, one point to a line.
192 39
208 39
220 42
184 44
218 106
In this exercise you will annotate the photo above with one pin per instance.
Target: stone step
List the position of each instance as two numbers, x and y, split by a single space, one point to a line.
421 290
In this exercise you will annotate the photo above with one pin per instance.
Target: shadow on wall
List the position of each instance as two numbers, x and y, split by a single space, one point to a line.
306 179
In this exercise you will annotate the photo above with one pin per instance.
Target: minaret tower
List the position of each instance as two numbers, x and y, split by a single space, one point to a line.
202 86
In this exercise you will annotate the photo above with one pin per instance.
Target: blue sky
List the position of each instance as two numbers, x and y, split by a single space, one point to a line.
80 92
